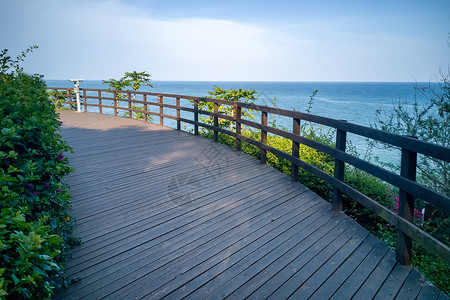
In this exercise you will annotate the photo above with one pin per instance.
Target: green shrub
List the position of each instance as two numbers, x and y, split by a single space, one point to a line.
34 222
370 186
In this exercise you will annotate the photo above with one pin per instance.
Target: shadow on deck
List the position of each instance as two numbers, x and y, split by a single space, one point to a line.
163 213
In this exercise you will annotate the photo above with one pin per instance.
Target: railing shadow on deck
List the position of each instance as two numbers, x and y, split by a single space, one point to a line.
110 101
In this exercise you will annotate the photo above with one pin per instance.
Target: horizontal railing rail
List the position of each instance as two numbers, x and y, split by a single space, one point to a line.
405 181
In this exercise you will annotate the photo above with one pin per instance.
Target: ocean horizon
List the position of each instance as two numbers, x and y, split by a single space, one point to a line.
364 98
355 102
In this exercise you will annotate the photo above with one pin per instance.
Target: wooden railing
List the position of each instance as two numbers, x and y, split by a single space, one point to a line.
410 147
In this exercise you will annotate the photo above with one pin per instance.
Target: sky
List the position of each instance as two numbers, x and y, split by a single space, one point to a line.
233 40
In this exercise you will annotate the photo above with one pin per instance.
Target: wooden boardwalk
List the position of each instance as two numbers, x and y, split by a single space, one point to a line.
163 213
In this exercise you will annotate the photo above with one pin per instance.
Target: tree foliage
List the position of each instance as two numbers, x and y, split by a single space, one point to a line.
7 63
428 122
133 80
136 79
240 95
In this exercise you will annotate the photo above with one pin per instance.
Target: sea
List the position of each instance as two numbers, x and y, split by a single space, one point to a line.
355 102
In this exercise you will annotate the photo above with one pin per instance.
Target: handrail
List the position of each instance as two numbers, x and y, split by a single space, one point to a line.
405 181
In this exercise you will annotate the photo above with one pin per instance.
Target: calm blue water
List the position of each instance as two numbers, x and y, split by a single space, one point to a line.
355 102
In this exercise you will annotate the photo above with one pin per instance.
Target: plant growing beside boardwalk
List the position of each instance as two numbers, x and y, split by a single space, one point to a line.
34 221
240 95
428 122
59 101
132 80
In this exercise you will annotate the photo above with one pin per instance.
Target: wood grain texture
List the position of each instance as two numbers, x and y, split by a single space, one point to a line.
164 213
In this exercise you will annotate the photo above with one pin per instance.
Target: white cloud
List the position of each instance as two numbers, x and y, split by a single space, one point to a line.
103 39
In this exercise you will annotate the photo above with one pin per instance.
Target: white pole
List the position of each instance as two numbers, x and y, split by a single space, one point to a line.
76 83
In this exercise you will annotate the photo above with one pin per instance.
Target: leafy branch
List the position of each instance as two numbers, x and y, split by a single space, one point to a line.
7 63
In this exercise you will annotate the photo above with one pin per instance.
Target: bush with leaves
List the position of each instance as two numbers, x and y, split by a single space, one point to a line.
34 221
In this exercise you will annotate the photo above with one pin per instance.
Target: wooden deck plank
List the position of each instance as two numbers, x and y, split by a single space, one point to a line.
217 211
245 247
239 229
362 272
130 182
164 204
154 186
338 278
318 275
256 207
412 286
301 272
377 278
168 227
247 251
428 291
164 208
394 282
264 255
171 170
295 258
174 254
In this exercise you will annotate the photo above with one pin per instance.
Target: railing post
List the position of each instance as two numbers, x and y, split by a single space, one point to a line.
295 149
406 206
216 121
196 117
69 97
130 115
100 102
339 168
145 108
161 110
238 126
116 110
178 115
84 101
263 136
